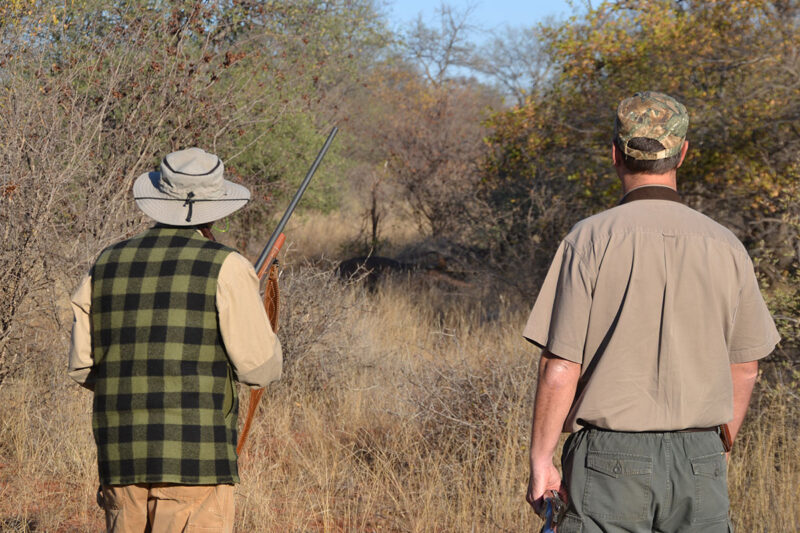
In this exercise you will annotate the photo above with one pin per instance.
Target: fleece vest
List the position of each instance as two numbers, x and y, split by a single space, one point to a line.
165 404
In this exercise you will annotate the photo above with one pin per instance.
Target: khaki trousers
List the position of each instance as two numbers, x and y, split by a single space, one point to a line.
168 508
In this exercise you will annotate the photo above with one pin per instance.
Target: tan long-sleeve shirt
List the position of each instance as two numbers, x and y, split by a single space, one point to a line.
253 348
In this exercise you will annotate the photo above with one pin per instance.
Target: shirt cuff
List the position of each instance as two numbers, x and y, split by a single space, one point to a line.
263 375
81 377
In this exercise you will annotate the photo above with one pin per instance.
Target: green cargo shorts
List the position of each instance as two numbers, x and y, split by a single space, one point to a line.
645 482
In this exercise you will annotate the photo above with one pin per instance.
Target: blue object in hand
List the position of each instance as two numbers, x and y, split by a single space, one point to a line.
554 509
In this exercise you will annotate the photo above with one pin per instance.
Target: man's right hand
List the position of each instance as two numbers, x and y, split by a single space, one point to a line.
543 479
555 391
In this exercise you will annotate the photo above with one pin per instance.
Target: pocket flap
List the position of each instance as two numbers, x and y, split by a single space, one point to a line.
710 466
619 465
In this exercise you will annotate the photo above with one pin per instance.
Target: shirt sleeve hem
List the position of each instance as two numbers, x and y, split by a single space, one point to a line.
534 342
564 351
559 349
753 354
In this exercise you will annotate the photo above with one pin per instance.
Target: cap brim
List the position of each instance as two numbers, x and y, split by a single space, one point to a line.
174 212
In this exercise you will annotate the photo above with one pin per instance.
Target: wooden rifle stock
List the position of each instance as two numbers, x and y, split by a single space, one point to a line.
271 256
264 267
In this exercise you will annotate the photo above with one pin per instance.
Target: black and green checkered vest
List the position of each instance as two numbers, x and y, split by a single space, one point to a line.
165 404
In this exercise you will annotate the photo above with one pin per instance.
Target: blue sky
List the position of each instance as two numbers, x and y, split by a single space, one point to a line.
488 14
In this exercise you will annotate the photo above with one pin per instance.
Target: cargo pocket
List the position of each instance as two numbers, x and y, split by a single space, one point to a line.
570 524
710 489
617 486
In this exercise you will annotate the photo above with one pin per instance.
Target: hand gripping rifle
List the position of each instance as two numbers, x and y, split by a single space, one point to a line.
266 265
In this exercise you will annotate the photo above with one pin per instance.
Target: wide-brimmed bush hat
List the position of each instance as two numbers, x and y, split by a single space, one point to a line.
189 190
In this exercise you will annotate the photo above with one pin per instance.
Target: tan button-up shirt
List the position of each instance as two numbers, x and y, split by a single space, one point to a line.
655 301
252 346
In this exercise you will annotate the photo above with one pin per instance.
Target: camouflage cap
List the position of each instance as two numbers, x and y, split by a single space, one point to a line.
654 116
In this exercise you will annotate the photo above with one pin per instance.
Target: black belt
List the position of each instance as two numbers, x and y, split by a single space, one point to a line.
721 430
715 429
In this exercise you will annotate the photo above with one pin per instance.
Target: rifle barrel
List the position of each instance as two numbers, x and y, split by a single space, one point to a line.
299 194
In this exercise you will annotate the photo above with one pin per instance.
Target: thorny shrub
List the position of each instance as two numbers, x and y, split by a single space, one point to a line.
466 411
312 329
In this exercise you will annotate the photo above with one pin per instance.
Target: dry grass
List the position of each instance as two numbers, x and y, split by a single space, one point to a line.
315 235
405 410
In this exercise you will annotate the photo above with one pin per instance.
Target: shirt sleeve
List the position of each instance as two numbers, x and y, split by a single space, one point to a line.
252 346
80 353
754 334
560 316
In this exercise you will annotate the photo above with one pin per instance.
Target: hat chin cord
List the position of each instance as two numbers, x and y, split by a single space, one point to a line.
227 226
189 202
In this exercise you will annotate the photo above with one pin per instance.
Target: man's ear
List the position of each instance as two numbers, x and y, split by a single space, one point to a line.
616 155
684 149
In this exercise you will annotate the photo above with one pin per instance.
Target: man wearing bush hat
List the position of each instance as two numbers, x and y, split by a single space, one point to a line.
651 324
164 323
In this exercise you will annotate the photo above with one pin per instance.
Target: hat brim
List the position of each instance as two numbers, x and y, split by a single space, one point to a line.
174 211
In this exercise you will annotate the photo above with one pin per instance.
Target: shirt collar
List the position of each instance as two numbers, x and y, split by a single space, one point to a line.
652 192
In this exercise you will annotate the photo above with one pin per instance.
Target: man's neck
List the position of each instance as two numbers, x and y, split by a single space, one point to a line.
634 181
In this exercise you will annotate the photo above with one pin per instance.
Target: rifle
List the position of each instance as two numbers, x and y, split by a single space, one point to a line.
266 265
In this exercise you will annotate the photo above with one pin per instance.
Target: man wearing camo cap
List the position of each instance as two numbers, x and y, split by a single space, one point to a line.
651 326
